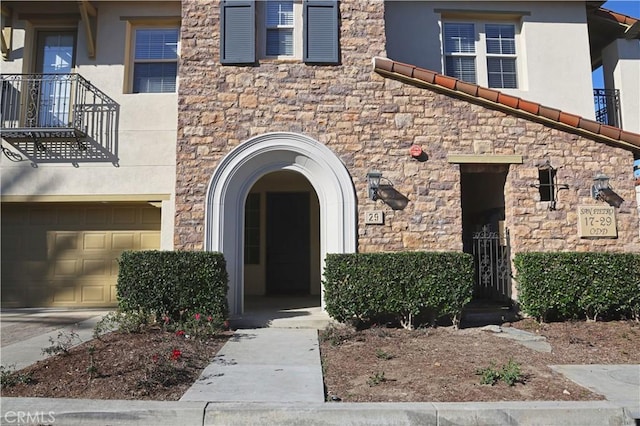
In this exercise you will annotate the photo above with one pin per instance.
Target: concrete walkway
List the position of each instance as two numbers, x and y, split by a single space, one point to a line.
618 383
263 365
26 332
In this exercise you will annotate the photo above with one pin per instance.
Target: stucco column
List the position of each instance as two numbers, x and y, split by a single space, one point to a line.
621 69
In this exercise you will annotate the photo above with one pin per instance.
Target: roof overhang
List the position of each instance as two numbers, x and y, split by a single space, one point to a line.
606 26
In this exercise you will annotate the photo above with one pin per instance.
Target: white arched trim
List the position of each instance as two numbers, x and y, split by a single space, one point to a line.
239 170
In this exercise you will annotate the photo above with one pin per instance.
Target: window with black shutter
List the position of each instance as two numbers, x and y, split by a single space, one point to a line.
238 34
276 35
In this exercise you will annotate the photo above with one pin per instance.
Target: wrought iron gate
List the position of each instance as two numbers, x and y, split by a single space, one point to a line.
492 264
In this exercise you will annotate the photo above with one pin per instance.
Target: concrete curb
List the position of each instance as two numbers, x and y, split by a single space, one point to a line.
72 412
92 412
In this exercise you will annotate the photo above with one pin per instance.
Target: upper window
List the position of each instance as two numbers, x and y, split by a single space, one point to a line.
306 29
481 53
279 25
155 59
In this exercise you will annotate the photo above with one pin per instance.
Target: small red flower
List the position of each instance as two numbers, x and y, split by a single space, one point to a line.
166 320
197 316
176 354
209 318
180 333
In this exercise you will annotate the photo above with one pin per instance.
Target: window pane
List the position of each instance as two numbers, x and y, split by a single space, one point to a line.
461 67
154 78
500 39
279 13
502 73
459 38
280 42
159 43
58 53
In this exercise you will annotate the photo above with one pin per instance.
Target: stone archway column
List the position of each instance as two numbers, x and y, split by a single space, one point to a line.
239 170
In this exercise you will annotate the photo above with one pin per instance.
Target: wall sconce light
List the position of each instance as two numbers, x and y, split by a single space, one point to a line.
600 190
373 179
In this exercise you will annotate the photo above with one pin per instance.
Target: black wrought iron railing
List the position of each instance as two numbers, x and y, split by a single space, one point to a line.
53 105
607 104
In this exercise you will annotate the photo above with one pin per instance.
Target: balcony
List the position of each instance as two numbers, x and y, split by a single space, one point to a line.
607 104
57 116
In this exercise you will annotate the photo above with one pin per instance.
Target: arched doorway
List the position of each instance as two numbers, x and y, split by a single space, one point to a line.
281 238
239 171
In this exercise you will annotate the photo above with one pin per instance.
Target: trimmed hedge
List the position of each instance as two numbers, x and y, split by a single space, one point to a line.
575 285
173 283
366 286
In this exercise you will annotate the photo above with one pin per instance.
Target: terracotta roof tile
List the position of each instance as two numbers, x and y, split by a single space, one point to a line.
419 75
424 75
615 16
550 113
569 119
632 138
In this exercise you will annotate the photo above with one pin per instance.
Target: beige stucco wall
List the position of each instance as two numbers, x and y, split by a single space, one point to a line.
621 70
147 125
553 57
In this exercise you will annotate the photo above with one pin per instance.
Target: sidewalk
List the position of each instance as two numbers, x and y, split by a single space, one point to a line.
26 332
273 376
263 365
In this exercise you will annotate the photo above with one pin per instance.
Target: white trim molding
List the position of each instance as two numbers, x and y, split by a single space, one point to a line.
241 168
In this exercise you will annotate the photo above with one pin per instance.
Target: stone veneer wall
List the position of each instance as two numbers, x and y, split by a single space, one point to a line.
370 122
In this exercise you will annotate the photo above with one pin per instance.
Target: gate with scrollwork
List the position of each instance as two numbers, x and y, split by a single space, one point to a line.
492 260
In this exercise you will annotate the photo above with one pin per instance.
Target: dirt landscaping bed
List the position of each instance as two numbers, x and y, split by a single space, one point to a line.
151 365
378 364
442 364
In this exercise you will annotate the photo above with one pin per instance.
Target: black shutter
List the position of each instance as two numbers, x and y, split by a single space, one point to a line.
237 31
321 31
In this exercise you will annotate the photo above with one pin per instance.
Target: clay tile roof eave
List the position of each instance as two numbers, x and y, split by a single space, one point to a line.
629 22
572 122
618 17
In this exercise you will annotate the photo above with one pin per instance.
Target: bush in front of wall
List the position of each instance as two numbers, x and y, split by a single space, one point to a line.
173 284
367 286
575 285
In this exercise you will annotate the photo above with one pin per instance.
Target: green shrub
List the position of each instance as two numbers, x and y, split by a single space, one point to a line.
573 285
406 284
173 284
510 373
124 322
10 377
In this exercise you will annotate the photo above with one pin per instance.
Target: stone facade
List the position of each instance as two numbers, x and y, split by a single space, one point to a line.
370 122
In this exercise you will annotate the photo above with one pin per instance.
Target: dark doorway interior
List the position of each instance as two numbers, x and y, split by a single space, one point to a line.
288 243
483 232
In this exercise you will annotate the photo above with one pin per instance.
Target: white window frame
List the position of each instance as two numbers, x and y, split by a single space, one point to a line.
132 28
262 33
481 55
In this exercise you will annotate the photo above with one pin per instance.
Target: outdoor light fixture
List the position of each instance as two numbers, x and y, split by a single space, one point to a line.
373 178
600 190
600 182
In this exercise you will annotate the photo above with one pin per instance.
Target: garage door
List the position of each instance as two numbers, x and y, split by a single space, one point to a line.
65 254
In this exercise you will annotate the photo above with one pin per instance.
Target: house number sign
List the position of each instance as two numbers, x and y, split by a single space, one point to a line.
596 221
374 217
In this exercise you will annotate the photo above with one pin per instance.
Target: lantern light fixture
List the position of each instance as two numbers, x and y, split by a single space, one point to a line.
373 180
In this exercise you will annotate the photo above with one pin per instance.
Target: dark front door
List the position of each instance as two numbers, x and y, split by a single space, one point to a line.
484 234
288 243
